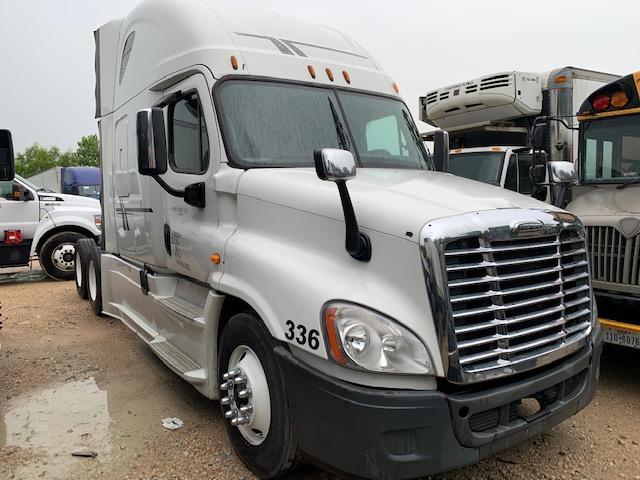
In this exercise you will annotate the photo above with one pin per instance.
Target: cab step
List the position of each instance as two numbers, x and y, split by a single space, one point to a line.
178 361
182 308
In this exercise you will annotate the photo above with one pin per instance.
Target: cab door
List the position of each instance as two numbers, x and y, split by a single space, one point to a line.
193 150
19 210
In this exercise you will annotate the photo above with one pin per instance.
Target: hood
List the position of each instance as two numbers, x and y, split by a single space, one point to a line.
396 202
55 200
604 201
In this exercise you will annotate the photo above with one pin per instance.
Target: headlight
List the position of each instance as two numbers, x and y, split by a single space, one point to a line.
97 219
361 338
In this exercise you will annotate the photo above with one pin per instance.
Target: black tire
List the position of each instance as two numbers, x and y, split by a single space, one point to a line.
94 283
277 453
57 255
83 250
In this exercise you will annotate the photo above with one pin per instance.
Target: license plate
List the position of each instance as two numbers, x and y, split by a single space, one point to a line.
622 337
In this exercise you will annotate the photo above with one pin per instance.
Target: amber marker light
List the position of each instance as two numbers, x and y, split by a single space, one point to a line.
347 77
619 99
215 258
332 335
312 71
234 62
560 79
329 73
395 87
496 149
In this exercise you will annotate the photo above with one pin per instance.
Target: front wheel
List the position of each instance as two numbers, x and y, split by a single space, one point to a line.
57 255
254 400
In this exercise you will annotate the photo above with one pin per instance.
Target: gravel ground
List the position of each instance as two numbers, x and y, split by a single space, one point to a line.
70 380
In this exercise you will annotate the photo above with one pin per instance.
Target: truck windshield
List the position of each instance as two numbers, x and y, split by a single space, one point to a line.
482 166
270 124
611 150
92 191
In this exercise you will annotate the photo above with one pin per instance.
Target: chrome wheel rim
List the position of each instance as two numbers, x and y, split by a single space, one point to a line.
78 267
63 256
92 282
246 401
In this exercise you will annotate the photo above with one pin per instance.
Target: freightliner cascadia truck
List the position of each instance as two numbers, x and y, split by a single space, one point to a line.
275 231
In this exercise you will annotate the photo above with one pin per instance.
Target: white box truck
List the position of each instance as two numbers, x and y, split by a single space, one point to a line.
35 222
489 120
276 233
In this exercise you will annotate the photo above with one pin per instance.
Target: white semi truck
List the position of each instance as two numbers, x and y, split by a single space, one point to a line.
489 120
35 222
276 233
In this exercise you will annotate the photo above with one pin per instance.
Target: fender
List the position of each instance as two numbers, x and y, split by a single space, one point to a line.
76 218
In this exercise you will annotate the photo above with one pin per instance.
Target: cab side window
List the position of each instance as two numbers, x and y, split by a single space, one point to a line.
6 190
524 166
511 180
188 140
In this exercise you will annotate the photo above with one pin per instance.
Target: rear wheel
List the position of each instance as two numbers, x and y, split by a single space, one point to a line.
83 250
57 255
254 401
94 284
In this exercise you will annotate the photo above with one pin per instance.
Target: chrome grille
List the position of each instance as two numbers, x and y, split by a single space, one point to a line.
614 258
517 298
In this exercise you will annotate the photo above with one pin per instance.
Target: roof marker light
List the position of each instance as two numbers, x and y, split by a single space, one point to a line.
347 77
234 62
312 71
329 73
395 87
561 79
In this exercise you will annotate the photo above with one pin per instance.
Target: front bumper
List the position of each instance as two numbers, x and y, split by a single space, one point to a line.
400 434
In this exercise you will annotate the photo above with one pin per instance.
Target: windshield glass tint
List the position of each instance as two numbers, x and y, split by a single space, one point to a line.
611 150
482 166
269 124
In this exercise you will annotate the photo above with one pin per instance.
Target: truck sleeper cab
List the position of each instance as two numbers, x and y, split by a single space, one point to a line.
387 321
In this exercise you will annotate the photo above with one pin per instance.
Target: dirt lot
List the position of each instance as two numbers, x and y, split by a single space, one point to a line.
72 380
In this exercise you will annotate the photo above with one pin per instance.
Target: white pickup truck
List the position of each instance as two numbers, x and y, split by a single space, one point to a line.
34 222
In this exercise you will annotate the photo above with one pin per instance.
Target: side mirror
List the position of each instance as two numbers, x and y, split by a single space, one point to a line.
441 150
334 165
539 136
7 161
562 173
152 142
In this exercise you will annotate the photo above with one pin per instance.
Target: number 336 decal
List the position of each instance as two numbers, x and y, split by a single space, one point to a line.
299 332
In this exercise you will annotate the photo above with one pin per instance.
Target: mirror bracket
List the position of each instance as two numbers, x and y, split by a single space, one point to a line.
338 166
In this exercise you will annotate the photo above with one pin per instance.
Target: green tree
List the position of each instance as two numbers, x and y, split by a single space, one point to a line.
88 152
37 158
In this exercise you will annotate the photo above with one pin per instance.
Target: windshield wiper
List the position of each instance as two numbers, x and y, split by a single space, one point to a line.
342 137
45 190
631 182
415 134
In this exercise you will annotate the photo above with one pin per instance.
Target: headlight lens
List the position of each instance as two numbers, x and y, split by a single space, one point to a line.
361 338
97 219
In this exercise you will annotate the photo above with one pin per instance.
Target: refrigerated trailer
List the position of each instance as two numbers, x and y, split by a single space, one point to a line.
275 231
489 120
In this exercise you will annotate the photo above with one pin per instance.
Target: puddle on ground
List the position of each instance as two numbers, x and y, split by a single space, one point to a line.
55 422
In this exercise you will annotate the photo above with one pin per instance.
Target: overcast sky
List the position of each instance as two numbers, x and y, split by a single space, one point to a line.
46 48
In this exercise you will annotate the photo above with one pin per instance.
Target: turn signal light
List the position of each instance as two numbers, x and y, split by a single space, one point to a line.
601 102
619 99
